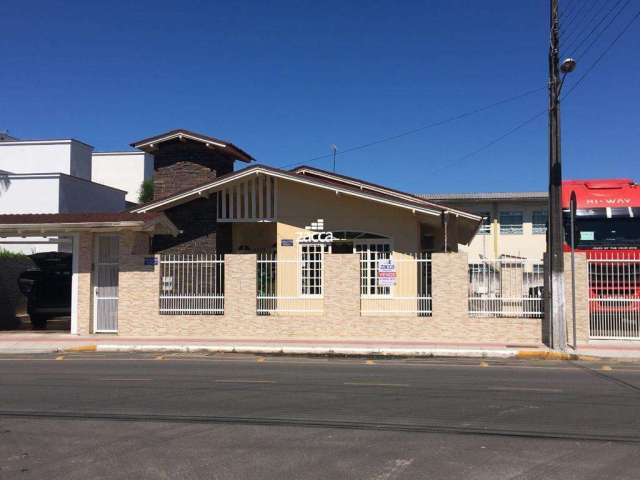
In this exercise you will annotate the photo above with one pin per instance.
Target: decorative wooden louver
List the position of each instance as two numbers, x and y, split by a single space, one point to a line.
252 200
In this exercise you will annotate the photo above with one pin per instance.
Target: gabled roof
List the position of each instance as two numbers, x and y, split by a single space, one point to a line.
57 222
362 185
353 188
227 148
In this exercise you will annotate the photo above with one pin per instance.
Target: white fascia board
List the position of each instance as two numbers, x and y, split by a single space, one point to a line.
109 154
181 135
64 141
386 191
285 176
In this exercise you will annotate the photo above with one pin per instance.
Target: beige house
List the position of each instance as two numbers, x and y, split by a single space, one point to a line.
514 223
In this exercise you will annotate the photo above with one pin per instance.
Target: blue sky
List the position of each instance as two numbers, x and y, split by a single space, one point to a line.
286 79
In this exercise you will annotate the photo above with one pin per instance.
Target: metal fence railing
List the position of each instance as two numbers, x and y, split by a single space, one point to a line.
506 287
191 284
290 286
614 295
395 284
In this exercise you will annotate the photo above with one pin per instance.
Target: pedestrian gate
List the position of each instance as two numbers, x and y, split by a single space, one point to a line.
105 284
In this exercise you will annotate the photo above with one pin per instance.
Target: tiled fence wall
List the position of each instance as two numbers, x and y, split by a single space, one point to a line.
138 311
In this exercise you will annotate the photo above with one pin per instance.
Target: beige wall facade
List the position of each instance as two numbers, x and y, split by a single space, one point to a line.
496 242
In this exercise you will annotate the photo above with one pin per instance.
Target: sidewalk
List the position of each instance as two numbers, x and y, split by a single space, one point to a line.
49 342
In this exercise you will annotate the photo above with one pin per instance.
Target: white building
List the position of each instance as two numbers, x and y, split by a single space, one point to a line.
50 176
514 223
123 170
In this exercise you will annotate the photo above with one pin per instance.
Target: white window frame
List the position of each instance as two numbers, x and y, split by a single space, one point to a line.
536 228
372 282
511 228
485 228
317 248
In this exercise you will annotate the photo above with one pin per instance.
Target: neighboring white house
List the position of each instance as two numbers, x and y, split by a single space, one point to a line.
123 170
50 176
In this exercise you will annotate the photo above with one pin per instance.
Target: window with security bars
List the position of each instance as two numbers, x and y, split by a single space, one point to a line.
511 223
370 256
311 259
539 221
485 226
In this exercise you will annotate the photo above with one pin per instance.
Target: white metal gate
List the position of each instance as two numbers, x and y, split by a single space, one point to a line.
614 295
105 284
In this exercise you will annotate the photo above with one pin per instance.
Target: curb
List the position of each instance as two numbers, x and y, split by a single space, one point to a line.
325 351
82 348
546 355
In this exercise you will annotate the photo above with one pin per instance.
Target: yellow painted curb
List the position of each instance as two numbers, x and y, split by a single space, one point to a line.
545 355
82 348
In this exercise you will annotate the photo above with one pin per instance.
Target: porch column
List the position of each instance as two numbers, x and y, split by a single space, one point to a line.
83 259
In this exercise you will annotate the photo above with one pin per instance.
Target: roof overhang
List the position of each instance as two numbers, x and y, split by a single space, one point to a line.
228 148
158 225
415 205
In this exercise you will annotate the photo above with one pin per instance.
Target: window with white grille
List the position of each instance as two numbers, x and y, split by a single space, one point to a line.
539 221
370 255
311 256
511 223
485 226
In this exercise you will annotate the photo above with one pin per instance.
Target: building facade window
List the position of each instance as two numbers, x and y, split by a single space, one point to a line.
485 226
511 223
539 221
311 269
371 253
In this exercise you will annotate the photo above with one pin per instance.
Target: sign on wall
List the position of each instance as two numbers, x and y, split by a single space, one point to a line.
386 273
315 237
167 284
150 261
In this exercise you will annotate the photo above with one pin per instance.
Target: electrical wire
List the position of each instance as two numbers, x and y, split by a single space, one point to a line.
570 38
602 55
419 129
584 52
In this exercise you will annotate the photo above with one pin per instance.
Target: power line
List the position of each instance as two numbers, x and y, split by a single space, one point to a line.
492 142
572 19
601 56
419 129
567 37
584 52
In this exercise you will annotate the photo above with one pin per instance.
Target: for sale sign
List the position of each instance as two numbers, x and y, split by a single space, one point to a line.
386 273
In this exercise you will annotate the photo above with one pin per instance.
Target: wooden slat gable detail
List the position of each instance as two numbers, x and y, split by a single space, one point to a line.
250 200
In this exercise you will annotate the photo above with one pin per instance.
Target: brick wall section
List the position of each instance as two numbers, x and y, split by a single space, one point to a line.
139 316
85 294
342 287
182 164
582 298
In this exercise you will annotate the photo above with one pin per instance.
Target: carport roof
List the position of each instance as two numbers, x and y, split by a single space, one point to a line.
38 223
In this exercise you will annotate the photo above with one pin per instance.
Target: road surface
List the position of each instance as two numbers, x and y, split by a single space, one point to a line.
123 416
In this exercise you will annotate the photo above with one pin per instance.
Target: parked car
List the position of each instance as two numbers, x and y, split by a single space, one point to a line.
47 287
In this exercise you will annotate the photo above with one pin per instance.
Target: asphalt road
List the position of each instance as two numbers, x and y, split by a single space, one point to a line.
231 417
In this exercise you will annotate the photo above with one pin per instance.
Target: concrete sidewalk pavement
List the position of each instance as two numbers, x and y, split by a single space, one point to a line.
51 342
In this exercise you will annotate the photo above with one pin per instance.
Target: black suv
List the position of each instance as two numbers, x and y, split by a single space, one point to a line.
47 287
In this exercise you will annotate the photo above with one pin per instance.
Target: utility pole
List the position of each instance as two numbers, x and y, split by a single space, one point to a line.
558 330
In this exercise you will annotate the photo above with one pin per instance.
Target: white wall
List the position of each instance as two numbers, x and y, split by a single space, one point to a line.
123 170
52 193
78 195
47 156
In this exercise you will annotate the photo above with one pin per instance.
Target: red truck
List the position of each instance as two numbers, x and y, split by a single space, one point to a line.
607 229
